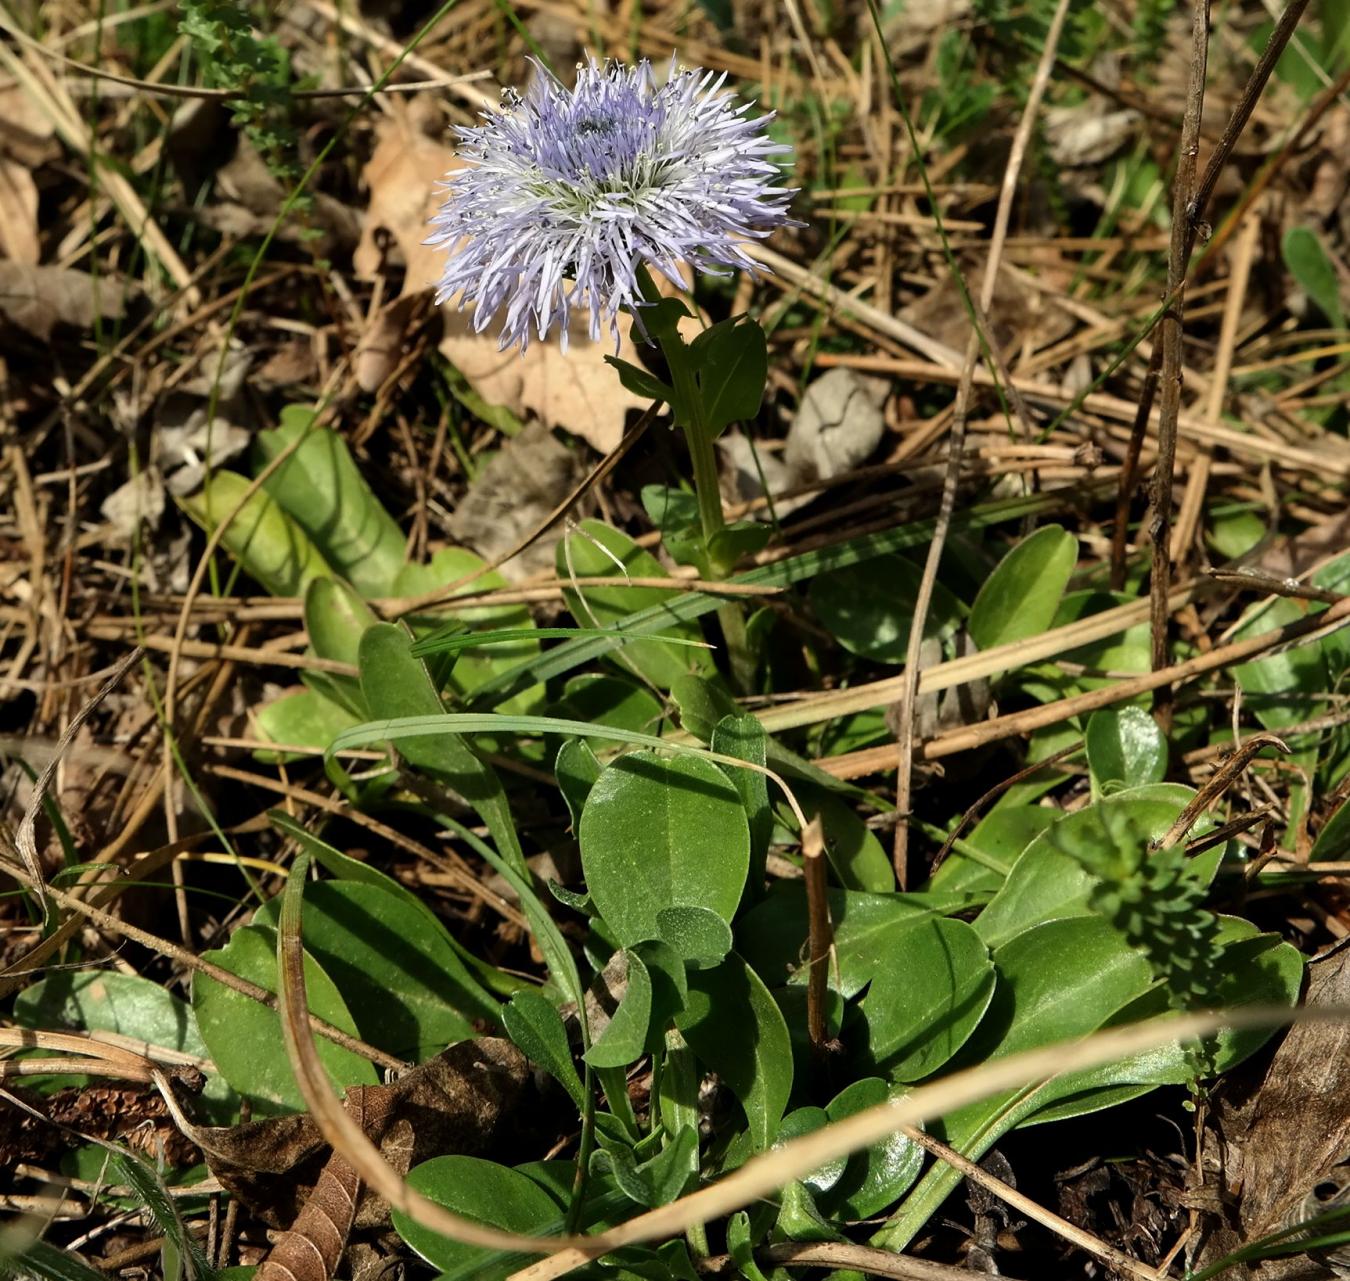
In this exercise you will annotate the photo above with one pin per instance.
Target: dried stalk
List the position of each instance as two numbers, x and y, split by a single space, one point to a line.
956 447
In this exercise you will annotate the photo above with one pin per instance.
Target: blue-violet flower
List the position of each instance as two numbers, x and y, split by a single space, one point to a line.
571 190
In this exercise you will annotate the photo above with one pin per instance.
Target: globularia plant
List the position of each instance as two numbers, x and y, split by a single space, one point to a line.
574 197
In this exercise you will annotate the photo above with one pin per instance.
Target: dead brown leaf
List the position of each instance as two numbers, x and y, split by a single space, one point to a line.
26 132
402 175
1286 1131
37 299
18 214
469 1099
574 390
524 481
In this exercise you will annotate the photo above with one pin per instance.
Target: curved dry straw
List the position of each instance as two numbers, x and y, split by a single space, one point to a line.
761 1176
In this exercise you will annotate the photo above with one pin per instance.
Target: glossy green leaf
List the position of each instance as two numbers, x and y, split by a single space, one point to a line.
406 988
670 982
869 608
1288 687
625 1035
538 1032
744 738
609 699
597 550
1253 969
300 718
927 979
335 619
737 1031
1020 598
1309 264
245 1037
983 857
1333 841
576 769
1052 877
733 360
1095 665
107 1001
640 382
772 935
929 993
1058 980
322 489
698 935
1125 748
658 1180
395 685
662 832
487 1193
269 545
345 868
854 853
878 1176
806 1121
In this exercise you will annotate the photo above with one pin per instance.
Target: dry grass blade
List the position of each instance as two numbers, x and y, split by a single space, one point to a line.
25 838
956 443
767 1173
1228 770
1114 1258
862 1258
1302 631
1185 212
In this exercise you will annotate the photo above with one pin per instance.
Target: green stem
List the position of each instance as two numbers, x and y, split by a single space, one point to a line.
677 1104
690 414
699 439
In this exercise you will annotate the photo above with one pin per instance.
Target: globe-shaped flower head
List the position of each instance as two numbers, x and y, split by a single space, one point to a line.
570 191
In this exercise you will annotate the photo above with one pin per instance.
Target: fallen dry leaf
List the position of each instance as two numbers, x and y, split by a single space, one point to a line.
402 175
575 390
37 299
522 484
26 131
18 214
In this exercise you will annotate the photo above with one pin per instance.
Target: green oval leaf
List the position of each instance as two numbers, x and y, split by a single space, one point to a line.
737 1031
106 1001
732 358
269 545
323 491
1053 875
1125 748
1020 597
625 1036
538 1031
869 608
486 1192
658 833
697 935
245 1037
877 1176
406 988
